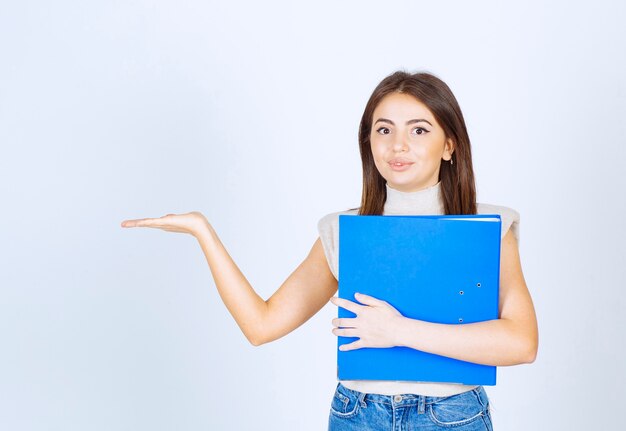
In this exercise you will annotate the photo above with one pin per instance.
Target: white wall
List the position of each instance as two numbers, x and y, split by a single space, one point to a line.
249 113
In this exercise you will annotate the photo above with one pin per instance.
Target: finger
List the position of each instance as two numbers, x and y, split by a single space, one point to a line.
344 322
346 332
368 300
142 222
347 304
351 346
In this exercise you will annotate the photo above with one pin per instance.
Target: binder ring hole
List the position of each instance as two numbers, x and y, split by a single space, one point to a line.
460 320
477 284
461 292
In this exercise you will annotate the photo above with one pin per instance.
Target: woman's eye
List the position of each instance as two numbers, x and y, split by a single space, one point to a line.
384 129
420 131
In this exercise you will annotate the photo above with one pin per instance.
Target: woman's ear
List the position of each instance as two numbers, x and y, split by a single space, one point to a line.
448 149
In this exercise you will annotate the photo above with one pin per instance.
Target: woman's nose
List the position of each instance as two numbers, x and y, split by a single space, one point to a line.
400 142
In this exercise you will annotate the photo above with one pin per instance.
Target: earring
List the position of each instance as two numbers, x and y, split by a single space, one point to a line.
451 161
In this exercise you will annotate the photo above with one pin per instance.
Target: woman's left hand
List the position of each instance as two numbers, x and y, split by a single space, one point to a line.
376 323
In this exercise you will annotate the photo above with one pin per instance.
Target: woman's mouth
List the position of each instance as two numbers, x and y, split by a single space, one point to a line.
400 165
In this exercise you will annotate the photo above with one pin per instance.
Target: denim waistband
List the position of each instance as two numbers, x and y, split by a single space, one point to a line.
413 399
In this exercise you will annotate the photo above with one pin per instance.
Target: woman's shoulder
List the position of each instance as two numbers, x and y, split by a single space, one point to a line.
510 217
328 228
330 222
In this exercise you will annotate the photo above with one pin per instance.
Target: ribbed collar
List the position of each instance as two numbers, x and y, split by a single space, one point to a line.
425 201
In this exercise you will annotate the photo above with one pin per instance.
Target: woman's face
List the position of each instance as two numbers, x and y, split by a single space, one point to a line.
404 130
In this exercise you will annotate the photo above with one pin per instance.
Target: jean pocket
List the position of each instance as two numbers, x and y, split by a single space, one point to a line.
487 419
345 403
456 410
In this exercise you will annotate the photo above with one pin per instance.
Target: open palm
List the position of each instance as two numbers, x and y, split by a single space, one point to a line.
191 222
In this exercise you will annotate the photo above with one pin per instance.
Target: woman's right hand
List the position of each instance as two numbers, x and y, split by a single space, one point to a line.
192 223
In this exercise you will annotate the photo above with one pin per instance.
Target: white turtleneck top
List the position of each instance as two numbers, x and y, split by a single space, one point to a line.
427 201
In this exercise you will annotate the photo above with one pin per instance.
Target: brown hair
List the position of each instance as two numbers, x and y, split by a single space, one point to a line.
457 180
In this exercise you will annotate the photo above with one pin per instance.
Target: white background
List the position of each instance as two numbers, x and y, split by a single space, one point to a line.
248 112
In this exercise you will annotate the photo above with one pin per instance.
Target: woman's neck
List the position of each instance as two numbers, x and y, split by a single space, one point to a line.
425 201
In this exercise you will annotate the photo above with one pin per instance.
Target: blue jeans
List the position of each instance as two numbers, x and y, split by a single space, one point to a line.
354 410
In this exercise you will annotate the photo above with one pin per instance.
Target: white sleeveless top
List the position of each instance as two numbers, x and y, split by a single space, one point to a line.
422 202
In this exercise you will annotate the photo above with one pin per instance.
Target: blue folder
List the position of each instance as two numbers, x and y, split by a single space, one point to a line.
437 268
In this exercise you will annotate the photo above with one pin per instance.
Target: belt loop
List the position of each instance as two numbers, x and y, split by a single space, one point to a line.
483 399
421 404
362 399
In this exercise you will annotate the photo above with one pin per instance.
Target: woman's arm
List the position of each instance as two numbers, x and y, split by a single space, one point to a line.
512 339
304 292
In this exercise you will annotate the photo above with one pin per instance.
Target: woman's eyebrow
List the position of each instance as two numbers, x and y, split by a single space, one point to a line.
416 120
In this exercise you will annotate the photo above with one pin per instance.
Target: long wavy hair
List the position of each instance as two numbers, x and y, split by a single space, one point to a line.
457 180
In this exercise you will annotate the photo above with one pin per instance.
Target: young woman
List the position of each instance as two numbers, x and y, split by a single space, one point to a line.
416 158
